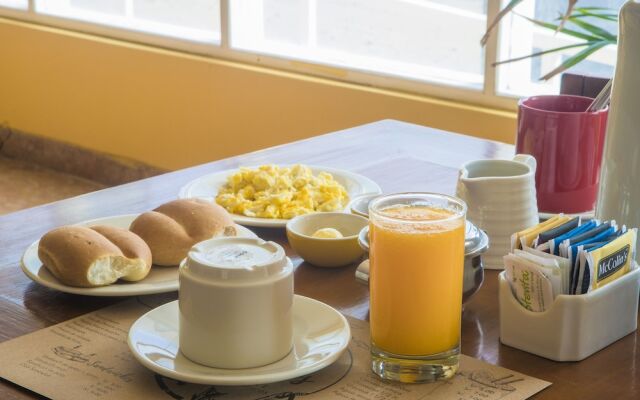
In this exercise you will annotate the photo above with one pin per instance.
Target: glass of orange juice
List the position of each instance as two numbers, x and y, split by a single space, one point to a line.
416 263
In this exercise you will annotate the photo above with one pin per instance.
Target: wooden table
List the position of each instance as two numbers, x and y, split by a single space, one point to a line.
400 157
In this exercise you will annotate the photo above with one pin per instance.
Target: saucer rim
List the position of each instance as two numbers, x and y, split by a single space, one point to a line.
242 380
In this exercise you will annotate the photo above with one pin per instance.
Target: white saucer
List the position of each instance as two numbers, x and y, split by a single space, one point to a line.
321 334
160 279
207 187
359 205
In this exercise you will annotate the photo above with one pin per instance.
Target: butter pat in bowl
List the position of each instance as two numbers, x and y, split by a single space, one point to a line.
327 249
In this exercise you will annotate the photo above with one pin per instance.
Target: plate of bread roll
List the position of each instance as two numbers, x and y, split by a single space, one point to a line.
126 255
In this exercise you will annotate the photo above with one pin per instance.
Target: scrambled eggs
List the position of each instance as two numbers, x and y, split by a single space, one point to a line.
281 192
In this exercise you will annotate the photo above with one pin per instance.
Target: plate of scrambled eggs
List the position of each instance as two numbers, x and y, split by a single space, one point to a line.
270 195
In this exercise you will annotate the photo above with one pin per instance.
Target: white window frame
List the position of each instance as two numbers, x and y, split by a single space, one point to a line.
486 96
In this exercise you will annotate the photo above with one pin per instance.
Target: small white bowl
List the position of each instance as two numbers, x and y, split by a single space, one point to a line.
324 252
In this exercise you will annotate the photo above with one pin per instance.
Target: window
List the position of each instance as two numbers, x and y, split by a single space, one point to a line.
405 38
195 20
423 46
20 4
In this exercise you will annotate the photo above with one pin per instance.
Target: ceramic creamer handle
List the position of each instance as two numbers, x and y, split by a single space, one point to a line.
526 159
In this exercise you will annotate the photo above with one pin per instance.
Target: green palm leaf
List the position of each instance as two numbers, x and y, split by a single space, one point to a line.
592 8
576 58
606 17
570 32
601 13
541 53
595 30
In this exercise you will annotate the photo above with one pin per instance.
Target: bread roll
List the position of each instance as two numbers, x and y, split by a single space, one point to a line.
96 256
173 228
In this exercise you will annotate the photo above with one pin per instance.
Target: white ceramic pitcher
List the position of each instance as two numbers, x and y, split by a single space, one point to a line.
501 200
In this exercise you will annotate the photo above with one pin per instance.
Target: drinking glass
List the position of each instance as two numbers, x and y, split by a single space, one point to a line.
416 264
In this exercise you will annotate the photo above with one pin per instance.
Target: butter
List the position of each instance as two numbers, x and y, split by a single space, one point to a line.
327 233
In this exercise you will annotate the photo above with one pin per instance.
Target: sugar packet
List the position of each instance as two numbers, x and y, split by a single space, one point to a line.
532 288
549 267
563 265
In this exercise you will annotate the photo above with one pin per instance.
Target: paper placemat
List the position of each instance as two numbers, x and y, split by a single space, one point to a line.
88 358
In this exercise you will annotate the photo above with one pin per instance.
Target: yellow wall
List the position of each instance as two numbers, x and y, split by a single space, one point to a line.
173 110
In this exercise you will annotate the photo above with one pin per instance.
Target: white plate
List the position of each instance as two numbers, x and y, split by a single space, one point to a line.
321 334
160 279
207 187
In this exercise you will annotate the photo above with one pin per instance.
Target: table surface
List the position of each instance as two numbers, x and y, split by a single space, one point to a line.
399 157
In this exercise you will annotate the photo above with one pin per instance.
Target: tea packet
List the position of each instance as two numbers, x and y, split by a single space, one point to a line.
606 262
515 237
525 238
528 239
542 241
529 285
598 233
601 235
554 244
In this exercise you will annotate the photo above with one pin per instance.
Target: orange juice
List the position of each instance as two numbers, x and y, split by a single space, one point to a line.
416 258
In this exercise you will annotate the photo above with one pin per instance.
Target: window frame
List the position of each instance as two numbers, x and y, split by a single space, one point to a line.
486 96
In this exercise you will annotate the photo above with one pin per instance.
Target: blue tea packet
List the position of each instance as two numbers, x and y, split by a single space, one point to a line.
581 237
545 236
592 243
542 241
554 244
569 248
578 279
606 262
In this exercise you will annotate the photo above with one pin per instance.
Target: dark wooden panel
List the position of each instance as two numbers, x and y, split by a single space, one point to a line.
582 85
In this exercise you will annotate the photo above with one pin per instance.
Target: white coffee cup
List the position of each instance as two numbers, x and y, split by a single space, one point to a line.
236 303
501 200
